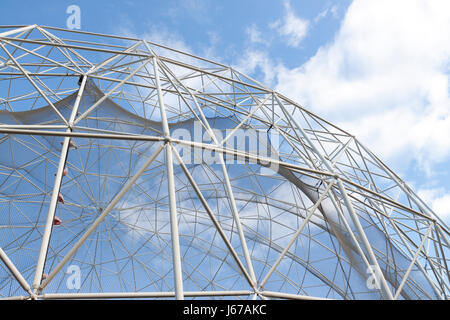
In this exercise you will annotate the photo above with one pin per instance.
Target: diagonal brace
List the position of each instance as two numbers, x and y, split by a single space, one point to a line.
108 209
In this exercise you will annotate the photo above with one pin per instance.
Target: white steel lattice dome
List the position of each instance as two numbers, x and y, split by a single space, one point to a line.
131 170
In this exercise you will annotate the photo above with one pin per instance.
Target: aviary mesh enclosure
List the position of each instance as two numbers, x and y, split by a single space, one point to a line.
155 173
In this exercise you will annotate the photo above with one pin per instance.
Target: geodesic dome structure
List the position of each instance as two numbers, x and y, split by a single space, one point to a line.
132 170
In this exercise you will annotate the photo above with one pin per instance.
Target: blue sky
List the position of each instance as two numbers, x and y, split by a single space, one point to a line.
379 69
203 24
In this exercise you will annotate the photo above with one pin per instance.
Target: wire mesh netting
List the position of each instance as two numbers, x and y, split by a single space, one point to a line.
128 169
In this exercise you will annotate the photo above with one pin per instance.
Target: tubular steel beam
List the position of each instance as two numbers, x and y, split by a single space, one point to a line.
274 294
54 199
11 32
128 295
15 272
171 190
405 278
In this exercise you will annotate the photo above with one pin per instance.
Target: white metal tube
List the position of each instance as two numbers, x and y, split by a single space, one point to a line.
408 271
70 46
16 298
126 295
350 232
54 199
113 136
109 60
357 223
443 234
171 190
11 32
275 294
238 220
15 272
174 225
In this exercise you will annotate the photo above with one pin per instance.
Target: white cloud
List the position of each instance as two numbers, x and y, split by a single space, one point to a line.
384 78
255 60
291 26
254 34
439 201
333 10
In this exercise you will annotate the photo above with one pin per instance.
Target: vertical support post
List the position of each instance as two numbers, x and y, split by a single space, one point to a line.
179 294
235 211
54 199
228 186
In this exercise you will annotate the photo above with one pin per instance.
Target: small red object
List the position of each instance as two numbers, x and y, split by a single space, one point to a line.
64 172
71 144
57 221
60 198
